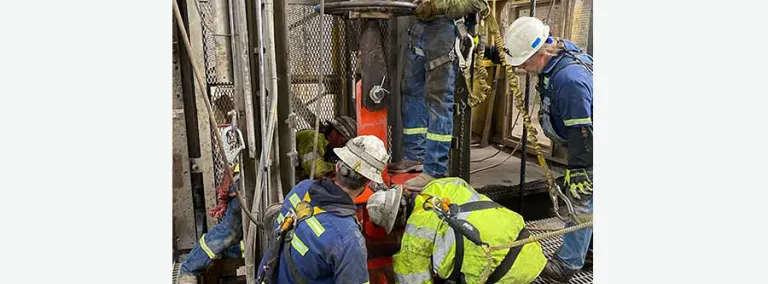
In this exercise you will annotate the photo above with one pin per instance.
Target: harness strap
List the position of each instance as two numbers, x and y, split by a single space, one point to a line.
456 275
292 266
478 205
509 259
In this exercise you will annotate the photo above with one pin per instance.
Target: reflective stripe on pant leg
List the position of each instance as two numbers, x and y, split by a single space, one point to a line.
439 95
412 131
206 249
242 249
413 106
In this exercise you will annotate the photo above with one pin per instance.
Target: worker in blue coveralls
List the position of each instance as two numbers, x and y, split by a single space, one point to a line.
326 245
224 240
564 71
428 86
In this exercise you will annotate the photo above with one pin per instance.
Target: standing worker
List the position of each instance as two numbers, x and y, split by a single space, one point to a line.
433 246
428 84
565 86
334 135
317 238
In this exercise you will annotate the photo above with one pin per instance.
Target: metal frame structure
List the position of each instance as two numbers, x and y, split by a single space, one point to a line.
252 51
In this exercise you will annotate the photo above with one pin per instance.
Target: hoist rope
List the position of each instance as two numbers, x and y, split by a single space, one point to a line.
204 93
533 238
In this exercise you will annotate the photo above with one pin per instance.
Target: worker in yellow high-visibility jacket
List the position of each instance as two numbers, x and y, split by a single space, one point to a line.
334 135
430 247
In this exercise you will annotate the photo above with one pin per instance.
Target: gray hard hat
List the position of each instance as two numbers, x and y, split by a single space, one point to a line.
346 126
383 206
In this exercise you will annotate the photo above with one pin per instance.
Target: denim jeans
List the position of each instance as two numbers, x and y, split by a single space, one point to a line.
575 244
222 240
428 95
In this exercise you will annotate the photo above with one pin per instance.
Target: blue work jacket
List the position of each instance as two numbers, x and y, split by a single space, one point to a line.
570 91
328 247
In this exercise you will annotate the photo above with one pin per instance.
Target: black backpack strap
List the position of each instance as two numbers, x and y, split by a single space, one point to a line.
509 259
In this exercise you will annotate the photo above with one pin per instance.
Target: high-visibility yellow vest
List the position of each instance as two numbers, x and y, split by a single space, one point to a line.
428 246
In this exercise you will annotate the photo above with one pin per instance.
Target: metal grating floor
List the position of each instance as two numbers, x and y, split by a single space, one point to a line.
551 245
176 266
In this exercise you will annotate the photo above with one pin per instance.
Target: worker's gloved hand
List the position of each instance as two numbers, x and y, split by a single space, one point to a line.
425 10
578 182
492 53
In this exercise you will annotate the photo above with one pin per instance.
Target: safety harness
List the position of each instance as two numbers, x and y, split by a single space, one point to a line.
463 229
464 62
545 87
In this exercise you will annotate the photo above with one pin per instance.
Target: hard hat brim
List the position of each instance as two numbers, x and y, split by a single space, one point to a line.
351 159
396 205
390 206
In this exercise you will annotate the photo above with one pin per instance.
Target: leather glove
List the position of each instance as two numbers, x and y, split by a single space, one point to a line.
578 182
492 54
426 10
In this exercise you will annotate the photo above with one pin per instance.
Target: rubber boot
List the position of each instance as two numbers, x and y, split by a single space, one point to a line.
555 271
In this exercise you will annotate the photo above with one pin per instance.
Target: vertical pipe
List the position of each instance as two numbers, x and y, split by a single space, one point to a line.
284 101
524 148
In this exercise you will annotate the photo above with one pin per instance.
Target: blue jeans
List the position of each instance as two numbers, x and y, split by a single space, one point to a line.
575 244
428 94
222 240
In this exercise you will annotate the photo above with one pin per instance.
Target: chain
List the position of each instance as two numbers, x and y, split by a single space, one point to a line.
389 140
461 137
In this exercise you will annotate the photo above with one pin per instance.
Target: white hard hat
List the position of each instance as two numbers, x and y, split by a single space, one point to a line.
383 206
523 38
366 155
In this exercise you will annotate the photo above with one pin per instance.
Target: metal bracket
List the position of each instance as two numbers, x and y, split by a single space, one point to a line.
377 92
294 158
291 120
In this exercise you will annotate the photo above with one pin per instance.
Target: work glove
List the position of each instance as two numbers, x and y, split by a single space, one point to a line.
426 10
452 9
578 182
492 53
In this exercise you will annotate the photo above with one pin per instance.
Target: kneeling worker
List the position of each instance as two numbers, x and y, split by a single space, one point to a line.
449 217
316 237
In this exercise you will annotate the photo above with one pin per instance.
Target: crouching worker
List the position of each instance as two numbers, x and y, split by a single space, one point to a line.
224 240
334 135
441 238
316 238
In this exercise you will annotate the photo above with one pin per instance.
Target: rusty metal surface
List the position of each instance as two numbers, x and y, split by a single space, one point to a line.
183 212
